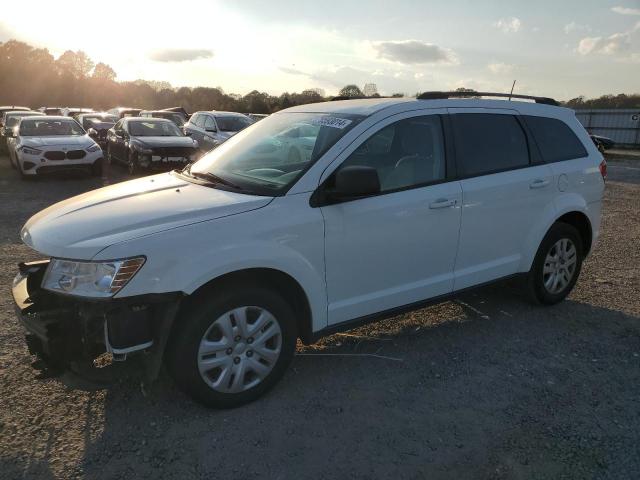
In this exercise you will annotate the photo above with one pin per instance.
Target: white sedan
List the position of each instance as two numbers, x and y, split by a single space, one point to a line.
47 144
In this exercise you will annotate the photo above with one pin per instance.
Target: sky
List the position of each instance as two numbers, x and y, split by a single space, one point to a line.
559 48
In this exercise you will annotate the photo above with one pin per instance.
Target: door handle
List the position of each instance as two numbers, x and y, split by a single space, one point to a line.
442 203
539 183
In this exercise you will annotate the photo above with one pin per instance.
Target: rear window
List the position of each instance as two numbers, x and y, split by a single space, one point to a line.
555 139
487 143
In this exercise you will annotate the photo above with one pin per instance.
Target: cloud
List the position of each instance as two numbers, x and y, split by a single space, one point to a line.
508 25
413 52
292 71
499 68
576 27
626 10
611 45
179 55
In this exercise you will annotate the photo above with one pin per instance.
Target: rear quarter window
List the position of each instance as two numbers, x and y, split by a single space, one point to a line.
555 139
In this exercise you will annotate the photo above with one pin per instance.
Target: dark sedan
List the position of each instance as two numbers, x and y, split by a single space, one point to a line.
606 142
149 143
97 125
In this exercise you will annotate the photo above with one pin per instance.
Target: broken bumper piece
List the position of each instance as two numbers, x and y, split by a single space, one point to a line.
63 328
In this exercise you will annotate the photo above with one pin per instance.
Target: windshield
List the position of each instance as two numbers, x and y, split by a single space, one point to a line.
233 124
154 129
49 128
265 160
14 118
100 118
174 117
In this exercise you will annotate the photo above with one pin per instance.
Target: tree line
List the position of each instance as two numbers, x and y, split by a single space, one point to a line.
33 77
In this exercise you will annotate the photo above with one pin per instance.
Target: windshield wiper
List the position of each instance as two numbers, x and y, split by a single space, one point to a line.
213 178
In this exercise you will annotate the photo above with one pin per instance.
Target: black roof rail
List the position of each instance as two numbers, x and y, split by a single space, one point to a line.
444 95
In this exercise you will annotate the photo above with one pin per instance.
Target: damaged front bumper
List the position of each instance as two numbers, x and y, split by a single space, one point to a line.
63 328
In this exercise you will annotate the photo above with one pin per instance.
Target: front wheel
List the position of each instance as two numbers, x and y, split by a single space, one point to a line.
230 348
132 164
557 265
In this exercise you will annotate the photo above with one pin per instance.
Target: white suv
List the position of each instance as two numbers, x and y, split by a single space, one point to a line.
218 269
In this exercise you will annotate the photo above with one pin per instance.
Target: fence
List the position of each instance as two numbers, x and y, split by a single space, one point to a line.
622 126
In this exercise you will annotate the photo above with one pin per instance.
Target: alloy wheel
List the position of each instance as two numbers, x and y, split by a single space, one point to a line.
559 266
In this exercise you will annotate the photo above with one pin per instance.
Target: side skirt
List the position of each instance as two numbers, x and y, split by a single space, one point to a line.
392 312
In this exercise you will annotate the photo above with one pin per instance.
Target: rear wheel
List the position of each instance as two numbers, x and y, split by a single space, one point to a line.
230 348
557 265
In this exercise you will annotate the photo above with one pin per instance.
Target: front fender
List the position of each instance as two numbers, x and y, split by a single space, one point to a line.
283 236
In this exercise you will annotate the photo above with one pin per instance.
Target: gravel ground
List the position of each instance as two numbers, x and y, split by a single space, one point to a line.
484 387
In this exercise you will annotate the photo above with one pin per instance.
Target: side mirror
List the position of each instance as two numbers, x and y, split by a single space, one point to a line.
9 132
355 181
93 133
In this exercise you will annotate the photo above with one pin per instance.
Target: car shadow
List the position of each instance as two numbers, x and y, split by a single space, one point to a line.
468 388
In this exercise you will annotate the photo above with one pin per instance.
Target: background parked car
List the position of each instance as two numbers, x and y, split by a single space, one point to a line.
606 142
176 117
10 120
150 143
46 144
51 110
72 111
211 128
179 110
122 112
8 108
256 117
97 125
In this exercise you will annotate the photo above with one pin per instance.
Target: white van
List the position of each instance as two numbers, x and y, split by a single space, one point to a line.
219 268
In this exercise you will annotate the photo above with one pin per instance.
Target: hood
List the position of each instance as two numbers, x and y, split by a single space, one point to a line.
153 142
82 226
82 141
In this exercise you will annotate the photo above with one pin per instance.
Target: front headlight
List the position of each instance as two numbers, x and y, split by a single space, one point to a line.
31 151
93 148
90 279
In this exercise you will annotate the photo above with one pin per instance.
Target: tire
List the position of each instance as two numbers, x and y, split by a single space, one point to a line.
207 318
549 285
96 168
132 164
20 171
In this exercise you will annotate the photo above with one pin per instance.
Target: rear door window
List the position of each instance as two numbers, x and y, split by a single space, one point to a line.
488 143
555 139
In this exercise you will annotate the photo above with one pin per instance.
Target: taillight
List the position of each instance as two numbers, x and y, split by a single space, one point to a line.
603 169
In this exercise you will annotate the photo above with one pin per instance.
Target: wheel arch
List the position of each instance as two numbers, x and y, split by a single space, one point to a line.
283 283
580 222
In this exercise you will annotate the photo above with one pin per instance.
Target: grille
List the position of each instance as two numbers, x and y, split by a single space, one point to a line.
75 154
173 151
71 155
55 155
